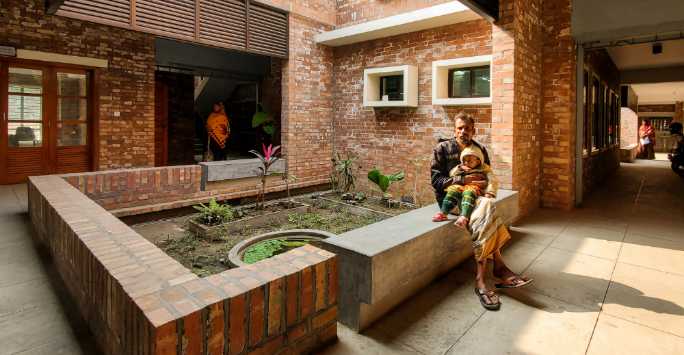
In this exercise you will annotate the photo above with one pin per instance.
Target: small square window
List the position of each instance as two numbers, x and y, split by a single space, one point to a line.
469 82
392 87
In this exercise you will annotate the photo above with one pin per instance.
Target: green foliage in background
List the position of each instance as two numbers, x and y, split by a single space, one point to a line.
214 213
384 181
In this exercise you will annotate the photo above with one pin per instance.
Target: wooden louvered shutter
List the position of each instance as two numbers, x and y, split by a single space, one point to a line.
111 12
166 17
223 23
267 31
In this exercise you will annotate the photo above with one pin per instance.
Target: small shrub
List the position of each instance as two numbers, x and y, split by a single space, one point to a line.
215 213
306 220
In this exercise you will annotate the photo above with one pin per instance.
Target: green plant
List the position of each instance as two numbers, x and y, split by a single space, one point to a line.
344 173
214 213
267 160
384 181
264 120
268 248
306 220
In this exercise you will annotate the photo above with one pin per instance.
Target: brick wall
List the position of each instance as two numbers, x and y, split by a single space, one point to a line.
558 105
390 138
629 127
351 12
307 102
597 168
516 99
126 86
138 300
116 189
322 11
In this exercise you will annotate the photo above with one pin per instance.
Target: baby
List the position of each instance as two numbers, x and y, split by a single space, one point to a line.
464 196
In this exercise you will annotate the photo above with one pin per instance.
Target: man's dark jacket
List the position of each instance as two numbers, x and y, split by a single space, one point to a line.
446 155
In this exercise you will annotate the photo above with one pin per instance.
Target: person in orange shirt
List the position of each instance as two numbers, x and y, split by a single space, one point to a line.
218 129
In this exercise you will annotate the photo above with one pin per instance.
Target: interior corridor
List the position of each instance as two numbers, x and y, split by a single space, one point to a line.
609 279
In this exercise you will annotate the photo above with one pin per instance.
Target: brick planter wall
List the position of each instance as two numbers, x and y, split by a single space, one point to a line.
138 300
126 86
389 138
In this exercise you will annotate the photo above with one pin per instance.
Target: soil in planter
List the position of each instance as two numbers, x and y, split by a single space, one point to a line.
373 203
206 257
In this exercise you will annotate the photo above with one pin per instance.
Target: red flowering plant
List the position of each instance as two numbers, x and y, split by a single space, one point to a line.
267 158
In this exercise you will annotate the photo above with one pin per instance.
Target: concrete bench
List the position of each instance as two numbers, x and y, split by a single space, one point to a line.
628 154
383 264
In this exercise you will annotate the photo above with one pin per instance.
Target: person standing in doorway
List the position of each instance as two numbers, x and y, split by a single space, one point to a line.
218 129
487 231
646 140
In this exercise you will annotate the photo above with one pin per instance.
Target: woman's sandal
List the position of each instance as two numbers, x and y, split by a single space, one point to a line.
514 281
489 294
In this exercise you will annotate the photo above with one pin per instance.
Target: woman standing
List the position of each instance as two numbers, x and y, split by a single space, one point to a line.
646 141
218 129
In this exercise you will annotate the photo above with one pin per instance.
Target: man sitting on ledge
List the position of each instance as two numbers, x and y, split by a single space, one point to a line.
488 232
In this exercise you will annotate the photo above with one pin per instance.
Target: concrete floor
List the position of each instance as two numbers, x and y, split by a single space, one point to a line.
609 279
35 315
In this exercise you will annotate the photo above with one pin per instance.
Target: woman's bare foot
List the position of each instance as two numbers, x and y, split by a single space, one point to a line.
462 222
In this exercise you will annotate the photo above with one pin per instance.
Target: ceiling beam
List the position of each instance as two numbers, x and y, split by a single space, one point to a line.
51 6
652 75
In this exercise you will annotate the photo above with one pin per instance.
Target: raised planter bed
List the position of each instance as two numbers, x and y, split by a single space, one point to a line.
279 216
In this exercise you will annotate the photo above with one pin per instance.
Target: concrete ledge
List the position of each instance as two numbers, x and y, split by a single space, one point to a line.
628 154
383 264
235 169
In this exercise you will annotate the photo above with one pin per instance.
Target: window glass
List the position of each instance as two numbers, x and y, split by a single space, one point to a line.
71 134
460 83
25 108
22 134
69 108
70 84
481 82
393 87
25 81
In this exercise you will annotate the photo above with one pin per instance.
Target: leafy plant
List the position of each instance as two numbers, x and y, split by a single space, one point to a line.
344 173
384 181
267 159
306 220
215 213
263 119
268 248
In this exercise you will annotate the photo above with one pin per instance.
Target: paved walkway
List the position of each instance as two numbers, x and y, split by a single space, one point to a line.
609 279
34 312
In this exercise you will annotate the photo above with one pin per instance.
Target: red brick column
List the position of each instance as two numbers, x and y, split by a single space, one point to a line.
516 103
558 106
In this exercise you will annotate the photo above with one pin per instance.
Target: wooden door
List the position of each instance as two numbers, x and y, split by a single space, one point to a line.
71 141
46 120
24 122
161 124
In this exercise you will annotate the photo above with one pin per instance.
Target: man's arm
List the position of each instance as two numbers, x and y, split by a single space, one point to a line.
439 176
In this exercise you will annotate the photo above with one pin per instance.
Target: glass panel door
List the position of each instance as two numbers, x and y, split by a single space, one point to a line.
25 108
72 109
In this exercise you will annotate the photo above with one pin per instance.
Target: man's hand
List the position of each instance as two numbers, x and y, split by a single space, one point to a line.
470 180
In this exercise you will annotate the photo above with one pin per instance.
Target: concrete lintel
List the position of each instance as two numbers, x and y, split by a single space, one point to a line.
418 20
235 169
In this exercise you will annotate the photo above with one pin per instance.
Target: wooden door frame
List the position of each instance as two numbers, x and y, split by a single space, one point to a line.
164 155
49 120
